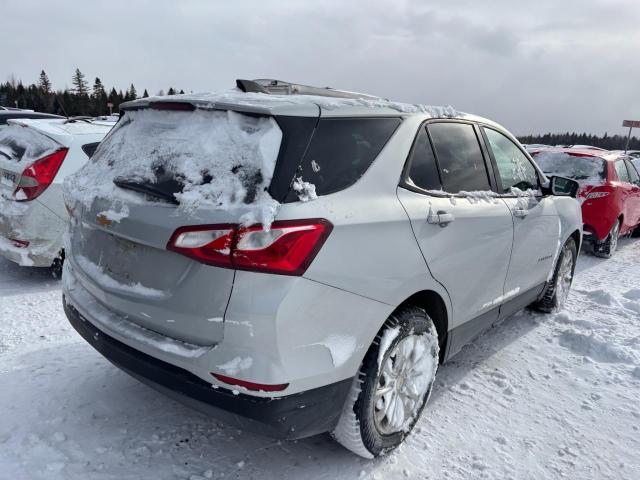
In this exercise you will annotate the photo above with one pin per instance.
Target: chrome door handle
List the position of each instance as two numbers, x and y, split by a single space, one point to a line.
520 212
441 218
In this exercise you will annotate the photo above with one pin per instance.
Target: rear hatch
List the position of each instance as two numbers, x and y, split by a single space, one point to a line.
162 168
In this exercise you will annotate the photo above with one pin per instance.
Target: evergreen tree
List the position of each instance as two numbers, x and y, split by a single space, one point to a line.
171 91
98 98
79 83
43 83
145 94
181 92
132 92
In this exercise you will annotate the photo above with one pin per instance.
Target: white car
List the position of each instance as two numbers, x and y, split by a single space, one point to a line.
35 157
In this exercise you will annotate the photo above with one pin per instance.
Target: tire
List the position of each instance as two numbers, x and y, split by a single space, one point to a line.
636 232
56 266
558 288
608 246
407 345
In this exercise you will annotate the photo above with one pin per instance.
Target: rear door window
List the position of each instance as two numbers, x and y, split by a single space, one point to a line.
514 168
621 170
462 165
422 167
342 149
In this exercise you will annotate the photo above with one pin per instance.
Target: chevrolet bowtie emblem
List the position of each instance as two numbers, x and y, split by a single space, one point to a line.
103 220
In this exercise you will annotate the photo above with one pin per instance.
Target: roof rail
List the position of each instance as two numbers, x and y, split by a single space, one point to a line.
278 87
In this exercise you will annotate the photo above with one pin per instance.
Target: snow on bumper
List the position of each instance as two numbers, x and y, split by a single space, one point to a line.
274 337
35 224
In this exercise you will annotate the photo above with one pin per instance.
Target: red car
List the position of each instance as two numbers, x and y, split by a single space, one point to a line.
609 192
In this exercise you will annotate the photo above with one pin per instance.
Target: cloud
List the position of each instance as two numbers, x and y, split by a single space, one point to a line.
550 66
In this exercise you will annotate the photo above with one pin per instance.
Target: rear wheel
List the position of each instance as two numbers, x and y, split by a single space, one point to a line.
608 246
56 266
392 386
558 288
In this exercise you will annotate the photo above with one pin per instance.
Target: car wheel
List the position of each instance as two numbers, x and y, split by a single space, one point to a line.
558 288
607 247
636 232
392 386
56 266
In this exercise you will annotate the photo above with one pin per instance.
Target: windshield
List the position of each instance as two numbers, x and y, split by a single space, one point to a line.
584 169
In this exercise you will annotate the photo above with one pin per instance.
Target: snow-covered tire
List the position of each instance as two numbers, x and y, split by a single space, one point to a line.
558 288
57 264
636 232
408 343
608 246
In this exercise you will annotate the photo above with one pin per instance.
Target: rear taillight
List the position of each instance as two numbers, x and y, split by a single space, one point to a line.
288 248
210 244
39 175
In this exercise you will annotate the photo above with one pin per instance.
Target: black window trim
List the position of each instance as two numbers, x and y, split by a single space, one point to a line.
494 163
404 179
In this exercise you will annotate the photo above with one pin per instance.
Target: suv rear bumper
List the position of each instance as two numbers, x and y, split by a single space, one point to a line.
294 416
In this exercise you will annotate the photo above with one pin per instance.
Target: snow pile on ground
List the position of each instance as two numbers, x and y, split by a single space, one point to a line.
537 397
219 159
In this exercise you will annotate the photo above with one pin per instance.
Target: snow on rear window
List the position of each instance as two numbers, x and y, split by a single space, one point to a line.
585 170
23 144
219 159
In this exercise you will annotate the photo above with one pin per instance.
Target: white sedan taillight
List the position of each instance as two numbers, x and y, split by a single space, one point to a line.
287 248
39 175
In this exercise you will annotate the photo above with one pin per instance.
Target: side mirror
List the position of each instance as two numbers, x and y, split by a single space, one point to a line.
563 187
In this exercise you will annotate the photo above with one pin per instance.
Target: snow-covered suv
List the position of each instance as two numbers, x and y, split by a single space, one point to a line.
302 263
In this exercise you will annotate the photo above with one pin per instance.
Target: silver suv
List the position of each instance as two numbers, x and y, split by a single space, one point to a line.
300 263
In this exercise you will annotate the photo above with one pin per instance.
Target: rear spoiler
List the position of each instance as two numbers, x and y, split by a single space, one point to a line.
278 87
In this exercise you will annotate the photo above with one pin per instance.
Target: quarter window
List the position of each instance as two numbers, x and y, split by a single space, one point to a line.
633 174
621 170
462 166
423 171
514 167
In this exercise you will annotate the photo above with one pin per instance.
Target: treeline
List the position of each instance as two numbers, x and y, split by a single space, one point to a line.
81 99
614 142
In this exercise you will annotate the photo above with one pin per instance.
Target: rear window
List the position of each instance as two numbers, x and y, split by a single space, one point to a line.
342 149
24 144
220 159
585 170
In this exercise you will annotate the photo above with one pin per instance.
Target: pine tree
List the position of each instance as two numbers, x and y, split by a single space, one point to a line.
43 83
181 92
132 92
99 98
79 83
171 91
145 94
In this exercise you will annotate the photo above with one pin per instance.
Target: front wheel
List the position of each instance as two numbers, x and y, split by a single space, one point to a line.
392 385
559 286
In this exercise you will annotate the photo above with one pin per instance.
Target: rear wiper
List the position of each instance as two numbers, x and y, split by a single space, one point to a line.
164 190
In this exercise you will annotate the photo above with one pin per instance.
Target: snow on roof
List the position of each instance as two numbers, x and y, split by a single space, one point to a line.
304 104
63 126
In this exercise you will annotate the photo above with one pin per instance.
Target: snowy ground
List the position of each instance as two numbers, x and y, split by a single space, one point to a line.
541 396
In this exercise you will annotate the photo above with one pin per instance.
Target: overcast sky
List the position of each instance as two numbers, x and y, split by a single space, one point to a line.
536 66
